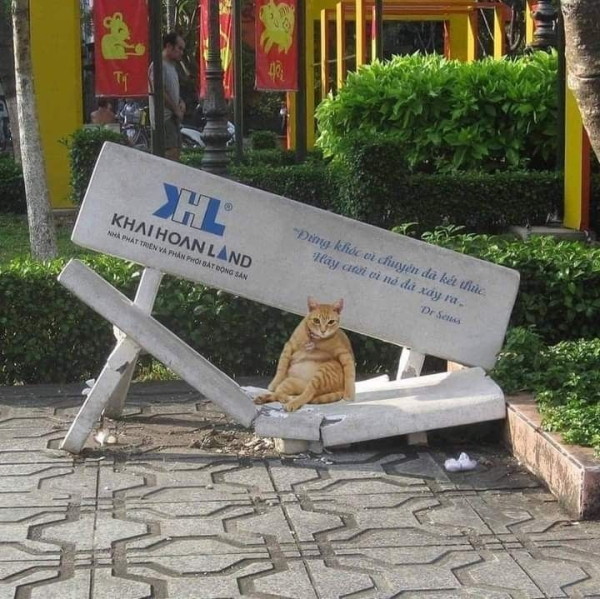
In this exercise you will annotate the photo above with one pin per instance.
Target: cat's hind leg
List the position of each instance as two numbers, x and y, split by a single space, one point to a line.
289 386
328 397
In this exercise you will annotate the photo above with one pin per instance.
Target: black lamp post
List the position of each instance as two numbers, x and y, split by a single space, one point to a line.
544 36
215 134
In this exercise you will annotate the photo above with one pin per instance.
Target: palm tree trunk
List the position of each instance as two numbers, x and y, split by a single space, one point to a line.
7 77
582 40
42 233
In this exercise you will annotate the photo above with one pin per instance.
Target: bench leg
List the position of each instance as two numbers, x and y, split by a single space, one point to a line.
124 354
144 299
410 365
143 331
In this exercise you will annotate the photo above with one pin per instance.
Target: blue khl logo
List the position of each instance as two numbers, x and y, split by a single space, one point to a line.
191 209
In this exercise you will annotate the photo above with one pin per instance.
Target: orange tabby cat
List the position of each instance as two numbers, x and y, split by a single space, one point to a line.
317 363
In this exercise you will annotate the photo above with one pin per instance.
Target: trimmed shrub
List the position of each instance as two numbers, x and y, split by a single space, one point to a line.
449 115
62 340
312 184
565 379
375 187
12 187
191 157
371 184
264 140
370 178
560 280
271 157
84 147
479 201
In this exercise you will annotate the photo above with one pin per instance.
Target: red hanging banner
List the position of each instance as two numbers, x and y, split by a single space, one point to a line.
276 45
121 42
226 31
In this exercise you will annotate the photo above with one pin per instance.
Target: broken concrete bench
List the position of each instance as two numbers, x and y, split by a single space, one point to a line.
210 230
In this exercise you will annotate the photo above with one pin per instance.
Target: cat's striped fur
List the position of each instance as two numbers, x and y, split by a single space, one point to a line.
317 363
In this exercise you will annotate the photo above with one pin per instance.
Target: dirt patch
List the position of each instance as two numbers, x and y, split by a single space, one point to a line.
214 434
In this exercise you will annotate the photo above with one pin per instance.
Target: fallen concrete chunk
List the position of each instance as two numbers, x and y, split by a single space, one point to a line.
304 425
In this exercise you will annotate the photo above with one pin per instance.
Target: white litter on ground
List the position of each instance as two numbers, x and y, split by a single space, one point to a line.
464 462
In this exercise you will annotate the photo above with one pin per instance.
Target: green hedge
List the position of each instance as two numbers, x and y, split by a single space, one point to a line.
12 187
560 280
450 115
565 379
61 340
84 147
384 197
481 202
310 183
369 187
264 140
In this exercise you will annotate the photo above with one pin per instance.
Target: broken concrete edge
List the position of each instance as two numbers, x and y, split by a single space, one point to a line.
571 472
405 409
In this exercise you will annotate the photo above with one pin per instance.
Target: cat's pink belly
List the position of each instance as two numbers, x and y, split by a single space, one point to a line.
304 370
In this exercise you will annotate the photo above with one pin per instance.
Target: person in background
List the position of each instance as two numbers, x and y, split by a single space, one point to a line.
104 114
173 48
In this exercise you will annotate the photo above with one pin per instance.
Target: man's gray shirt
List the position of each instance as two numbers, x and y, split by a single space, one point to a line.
170 84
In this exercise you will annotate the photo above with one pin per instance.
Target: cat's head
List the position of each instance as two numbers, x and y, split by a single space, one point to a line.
323 320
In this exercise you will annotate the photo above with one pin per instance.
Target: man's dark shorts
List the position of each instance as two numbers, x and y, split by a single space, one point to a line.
172 134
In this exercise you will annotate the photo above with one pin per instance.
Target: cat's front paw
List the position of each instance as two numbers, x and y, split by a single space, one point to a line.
291 406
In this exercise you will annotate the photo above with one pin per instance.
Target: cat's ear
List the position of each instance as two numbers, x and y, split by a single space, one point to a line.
313 304
338 306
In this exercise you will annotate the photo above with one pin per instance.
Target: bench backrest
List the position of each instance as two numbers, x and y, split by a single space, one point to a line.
258 245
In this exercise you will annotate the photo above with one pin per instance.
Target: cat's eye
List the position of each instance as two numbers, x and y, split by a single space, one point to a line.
316 320
331 322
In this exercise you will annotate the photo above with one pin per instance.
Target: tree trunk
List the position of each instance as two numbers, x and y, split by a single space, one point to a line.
42 234
7 77
171 6
582 41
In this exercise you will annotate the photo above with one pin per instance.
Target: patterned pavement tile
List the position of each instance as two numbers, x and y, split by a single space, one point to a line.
29 439
141 521
19 575
185 481
205 585
93 531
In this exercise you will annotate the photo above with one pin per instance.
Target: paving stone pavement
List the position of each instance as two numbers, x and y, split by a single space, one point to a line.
187 506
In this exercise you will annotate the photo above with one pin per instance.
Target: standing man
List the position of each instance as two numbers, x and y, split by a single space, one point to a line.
173 47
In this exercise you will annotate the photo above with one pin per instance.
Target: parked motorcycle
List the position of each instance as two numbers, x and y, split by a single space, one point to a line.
191 137
135 126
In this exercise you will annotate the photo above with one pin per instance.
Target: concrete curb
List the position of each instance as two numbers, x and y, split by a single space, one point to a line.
571 472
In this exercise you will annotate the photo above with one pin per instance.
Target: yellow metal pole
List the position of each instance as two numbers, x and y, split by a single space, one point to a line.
310 74
291 121
340 44
499 33
577 167
472 35
56 59
373 35
459 49
324 54
361 32
529 24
